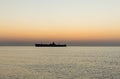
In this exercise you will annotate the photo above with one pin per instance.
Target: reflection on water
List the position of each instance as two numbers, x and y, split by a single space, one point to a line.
60 63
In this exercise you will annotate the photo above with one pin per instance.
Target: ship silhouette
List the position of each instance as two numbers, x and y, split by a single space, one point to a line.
50 45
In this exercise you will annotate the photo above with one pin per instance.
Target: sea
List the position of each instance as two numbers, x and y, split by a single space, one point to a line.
72 62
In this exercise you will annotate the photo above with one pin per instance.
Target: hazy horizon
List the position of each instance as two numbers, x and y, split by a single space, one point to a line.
75 43
74 22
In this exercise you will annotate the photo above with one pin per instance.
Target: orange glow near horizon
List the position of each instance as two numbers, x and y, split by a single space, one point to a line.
71 34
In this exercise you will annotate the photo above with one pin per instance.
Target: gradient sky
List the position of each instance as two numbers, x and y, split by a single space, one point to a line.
76 22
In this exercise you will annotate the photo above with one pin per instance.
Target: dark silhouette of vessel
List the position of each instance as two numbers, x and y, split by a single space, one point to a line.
50 45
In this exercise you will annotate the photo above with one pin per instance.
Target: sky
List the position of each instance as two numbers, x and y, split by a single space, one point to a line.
75 22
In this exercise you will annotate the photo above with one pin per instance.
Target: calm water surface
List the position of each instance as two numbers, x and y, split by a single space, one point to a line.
60 63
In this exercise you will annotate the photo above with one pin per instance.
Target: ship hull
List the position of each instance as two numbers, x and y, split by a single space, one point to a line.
47 45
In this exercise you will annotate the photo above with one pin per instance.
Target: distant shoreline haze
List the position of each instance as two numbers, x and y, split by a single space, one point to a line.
68 43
